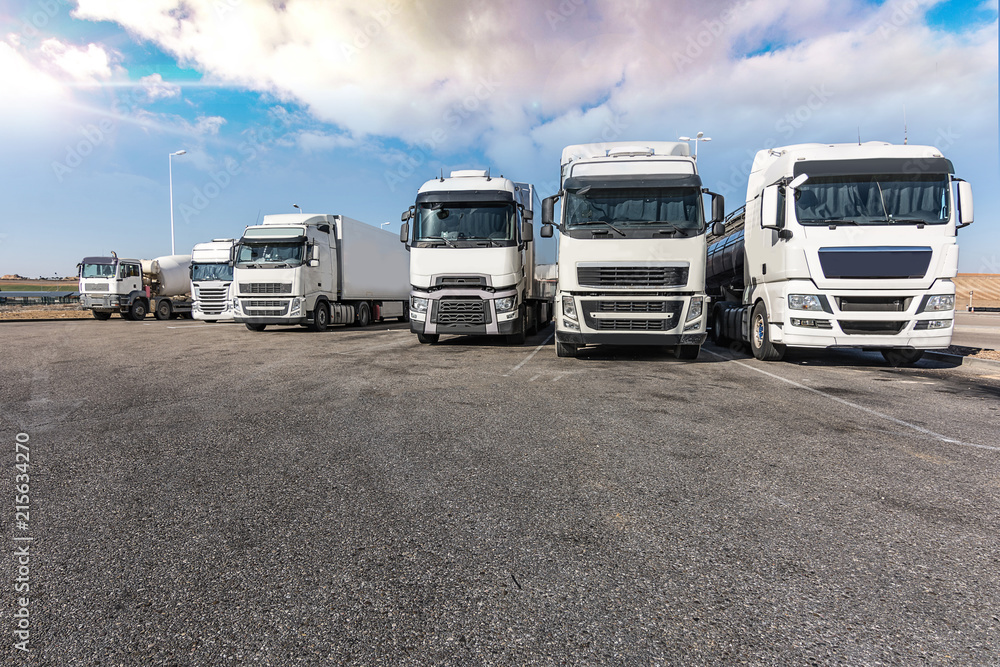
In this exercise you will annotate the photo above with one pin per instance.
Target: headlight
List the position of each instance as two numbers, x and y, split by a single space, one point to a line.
694 312
940 302
569 307
804 302
506 304
296 306
418 304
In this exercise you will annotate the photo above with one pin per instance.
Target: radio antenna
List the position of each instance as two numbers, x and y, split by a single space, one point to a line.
905 134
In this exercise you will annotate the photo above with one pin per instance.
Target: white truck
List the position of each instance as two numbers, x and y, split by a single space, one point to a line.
133 287
632 249
475 264
318 270
211 280
842 245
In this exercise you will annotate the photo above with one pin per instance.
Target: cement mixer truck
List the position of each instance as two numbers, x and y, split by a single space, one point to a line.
133 287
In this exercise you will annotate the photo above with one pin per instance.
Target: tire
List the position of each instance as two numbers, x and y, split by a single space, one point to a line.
428 339
164 309
321 316
518 337
364 314
532 312
405 317
137 311
718 337
566 349
210 321
760 341
101 315
687 352
902 357
256 327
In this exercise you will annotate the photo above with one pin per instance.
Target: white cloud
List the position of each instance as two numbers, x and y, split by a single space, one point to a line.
27 88
158 89
86 66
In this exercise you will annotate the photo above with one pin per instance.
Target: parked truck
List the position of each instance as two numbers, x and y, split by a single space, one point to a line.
475 264
842 245
211 280
632 249
133 287
318 270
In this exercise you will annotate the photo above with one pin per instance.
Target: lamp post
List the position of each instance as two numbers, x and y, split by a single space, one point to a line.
698 137
297 207
385 223
170 170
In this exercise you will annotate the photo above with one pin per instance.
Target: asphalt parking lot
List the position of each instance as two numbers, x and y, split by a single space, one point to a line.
201 494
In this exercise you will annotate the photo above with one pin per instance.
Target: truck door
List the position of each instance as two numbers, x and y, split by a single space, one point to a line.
129 278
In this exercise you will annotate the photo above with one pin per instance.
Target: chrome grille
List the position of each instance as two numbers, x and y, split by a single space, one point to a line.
95 287
461 311
213 299
265 307
265 288
632 276
631 306
631 325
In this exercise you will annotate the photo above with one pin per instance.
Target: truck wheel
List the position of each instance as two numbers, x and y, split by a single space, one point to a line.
101 315
211 321
718 337
405 317
760 341
428 339
364 316
321 316
256 327
164 309
687 352
898 357
138 310
566 349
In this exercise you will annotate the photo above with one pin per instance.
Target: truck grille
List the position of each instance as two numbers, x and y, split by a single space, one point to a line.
875 262
461 311
631 325
265 288
265 308
632 276
212 299
886 304
95 287
871 327
632 306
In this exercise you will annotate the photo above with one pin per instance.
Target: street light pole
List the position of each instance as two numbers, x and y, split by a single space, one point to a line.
698 137
170 170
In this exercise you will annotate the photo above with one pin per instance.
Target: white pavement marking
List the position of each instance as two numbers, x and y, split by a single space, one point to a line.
528 358
919 429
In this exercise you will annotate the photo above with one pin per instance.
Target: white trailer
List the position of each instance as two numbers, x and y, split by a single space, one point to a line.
318 270
133 287
475 264
632 249
211 280
842 245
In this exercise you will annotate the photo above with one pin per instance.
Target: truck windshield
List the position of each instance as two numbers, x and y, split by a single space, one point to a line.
211 272
874 200
444 223
674 209
270 254
97 271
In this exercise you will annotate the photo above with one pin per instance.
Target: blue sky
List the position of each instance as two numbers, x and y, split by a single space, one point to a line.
348 106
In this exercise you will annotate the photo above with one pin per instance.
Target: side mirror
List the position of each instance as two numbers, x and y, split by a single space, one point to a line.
718 228
769 207
965 208
527 231
718 207
549 209
233 253
527 214
313 262
404 231
407 214
546 231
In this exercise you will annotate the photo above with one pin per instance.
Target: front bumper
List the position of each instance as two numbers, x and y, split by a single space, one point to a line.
269 310
632 319
465 312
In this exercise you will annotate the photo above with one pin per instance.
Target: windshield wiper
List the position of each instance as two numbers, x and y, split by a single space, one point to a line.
908 221
601 222
439 238
831 223
675 228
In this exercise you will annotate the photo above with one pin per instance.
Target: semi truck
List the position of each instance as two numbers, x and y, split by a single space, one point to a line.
134 287
475 264
317 270
632 247
211 280
841 246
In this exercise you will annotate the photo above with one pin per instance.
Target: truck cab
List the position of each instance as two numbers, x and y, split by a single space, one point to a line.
476 267
632 249
111 285
211 280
